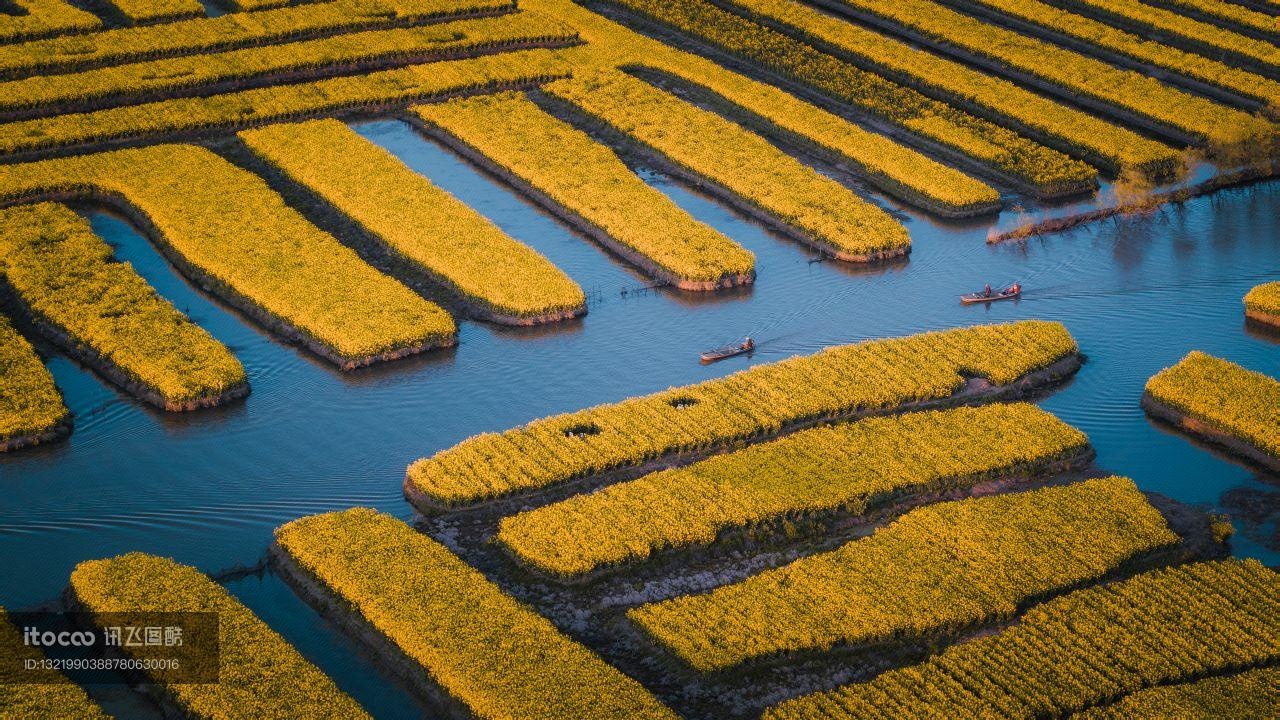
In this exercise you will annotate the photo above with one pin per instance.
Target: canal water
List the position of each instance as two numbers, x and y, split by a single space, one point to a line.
208 488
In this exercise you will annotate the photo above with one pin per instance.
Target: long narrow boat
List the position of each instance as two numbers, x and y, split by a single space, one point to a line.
727 351
982 297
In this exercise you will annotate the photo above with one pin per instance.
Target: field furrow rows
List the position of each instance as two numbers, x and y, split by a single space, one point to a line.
238 69
1125 93
1249 694
45 17
1059 126
850 468
230 233
1230 14
289 24
937 570
69 284
452 628
1047 172
259 672
31 408
759 402
796 198
1205 38
1092 34
587 184
381 90
1082 649
438 235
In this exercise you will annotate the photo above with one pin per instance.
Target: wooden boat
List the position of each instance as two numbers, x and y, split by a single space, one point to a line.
982 297
727 351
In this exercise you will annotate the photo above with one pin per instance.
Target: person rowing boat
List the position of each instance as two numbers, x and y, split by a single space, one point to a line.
988 295
742 348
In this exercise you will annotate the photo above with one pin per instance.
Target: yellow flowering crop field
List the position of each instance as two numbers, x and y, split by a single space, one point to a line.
1081 649
52 698
153 11
45 17
259 672
1046 171
829 214
937 570
1264 302
1239 402
1142 49
30 404
1079 76
484 648
229 32
869 376
67 277
1183 30
421 223
125 84
589 180
1249 694
851 467
1052 123
231 228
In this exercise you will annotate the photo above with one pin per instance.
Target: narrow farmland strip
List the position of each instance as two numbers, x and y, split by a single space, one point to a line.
1081 649
189 37
1230 14
1047 172
889 166
791 196
585 183
45 17
1250 694
872 377
503 279
1092 33
1221 402
848 468
235 69
232 234
31 408
938 569
1202 37
250 108
259 674
37 693
456 629
1056 125
142 12
1124 93
1262 304
885 163
102 312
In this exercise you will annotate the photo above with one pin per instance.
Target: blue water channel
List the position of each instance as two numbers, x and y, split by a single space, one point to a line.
208 488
